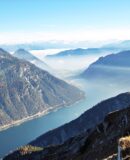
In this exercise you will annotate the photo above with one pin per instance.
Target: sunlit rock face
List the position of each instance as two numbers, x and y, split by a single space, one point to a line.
26 90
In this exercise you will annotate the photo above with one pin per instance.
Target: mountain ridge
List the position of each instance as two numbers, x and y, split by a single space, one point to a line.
26 55
97 143
113 67
87 120
80 52
26 90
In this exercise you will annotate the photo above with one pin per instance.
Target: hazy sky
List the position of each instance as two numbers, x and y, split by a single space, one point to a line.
68 20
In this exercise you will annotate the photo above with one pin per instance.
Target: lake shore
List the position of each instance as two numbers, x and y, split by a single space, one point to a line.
39 114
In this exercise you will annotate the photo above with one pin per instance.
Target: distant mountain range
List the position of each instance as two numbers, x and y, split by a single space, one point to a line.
42 45
108 48
23 54
81 52
26 90
112 67
35 46
100 129
121 45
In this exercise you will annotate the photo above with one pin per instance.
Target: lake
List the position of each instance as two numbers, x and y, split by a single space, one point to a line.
20 135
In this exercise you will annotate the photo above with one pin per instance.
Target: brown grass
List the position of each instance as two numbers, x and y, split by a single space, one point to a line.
29 149
124 142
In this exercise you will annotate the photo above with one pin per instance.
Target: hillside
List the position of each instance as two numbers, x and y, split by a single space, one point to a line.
88 120
26 90
101 142
23 54
111 67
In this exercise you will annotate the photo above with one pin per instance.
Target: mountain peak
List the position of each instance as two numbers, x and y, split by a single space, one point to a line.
23 54
21 82
26 55
2 51
110 68
22 51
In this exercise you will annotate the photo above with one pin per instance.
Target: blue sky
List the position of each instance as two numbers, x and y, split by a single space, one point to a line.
63 19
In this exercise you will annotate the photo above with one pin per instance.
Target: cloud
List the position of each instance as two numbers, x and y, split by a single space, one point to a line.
65 36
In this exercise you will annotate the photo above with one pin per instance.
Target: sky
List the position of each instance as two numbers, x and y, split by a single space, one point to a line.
64 20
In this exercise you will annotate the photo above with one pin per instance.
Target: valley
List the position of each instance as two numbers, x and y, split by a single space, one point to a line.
64 80
24 133
37 124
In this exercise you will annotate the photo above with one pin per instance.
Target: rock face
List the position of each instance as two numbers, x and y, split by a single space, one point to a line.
26 90
112 68
23 54
99 143
86 121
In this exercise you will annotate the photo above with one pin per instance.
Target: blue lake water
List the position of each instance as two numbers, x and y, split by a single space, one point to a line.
20 135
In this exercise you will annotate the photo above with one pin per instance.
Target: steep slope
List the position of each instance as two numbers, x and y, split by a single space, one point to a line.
26 90
86 121
111 67
98 144
23 54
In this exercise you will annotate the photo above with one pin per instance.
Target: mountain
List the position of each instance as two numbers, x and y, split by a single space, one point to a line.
111 67
121 45
26 90
98 143
81 52
42 45
51 44
88 120
23 54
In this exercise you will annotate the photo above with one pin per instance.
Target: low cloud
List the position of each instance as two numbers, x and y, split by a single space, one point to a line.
65 36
